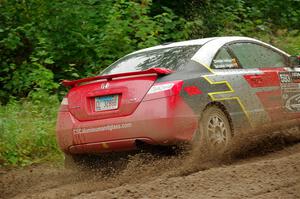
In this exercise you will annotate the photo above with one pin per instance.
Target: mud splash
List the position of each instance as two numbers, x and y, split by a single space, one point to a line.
144 169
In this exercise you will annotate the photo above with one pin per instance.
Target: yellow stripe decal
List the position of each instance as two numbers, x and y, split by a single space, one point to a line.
231 90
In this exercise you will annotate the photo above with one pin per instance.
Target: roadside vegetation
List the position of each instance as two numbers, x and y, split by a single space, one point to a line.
27 131
43 42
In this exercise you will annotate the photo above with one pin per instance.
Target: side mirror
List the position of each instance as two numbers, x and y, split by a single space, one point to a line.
294 61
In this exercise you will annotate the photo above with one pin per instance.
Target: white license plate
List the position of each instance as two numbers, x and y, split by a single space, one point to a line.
104 103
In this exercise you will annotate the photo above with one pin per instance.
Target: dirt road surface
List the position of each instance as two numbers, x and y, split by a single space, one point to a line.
268 169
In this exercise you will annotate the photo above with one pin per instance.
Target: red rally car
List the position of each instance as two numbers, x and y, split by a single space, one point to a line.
207 89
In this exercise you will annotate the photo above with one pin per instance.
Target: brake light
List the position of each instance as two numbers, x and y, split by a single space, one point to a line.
164 89
160 88
64 105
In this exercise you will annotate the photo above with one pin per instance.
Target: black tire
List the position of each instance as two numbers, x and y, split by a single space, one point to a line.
214 133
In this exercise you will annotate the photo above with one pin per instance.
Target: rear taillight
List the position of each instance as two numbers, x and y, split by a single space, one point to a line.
164 89
160 88
64 105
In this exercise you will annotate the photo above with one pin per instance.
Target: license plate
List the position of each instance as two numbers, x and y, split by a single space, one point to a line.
104 103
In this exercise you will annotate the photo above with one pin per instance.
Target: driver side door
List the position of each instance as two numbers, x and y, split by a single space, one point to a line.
276 86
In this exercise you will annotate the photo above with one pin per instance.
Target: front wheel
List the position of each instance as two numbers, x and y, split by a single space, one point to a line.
214 131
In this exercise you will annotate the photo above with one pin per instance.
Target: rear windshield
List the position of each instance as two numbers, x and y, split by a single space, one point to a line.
173 58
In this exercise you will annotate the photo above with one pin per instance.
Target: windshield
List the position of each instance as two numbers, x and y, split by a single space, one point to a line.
173 58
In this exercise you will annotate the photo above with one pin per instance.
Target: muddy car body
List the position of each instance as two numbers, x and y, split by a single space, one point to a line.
206 89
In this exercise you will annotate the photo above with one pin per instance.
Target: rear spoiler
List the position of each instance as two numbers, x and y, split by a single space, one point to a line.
158 71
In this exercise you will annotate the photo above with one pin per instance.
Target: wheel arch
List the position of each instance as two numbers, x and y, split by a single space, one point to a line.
223 108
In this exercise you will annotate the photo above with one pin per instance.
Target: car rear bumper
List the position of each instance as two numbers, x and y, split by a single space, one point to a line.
160 121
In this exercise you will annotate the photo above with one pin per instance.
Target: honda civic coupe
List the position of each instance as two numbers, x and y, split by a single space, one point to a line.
205 90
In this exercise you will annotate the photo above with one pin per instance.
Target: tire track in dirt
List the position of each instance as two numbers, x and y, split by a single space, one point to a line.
271 178
268 169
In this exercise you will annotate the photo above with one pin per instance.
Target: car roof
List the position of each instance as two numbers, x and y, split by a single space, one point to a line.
202 41
209 46
207 52
174 44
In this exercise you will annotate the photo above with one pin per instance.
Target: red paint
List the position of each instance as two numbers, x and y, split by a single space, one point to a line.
273 105
156 118
263 80
192 90
131 91
157 121
158 71
116 145
268 78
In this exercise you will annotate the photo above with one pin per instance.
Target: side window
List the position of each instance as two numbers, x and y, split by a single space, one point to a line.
252 55
223 60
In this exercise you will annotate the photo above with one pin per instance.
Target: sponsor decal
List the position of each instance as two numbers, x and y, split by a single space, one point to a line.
292 101
225 63
285 78
290 82
103 128
290 77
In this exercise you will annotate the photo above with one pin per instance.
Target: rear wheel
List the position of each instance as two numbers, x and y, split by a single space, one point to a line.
214 132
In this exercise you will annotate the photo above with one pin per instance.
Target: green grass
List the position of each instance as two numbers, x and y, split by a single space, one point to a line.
27 132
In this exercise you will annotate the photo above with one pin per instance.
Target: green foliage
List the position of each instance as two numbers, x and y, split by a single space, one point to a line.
237 17
71 39
130 26
29 78
27 131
